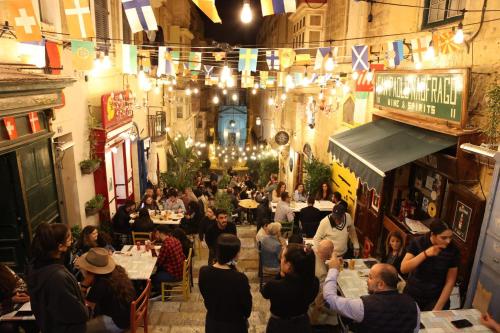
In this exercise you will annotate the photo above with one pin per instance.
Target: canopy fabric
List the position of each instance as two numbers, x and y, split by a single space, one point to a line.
373 149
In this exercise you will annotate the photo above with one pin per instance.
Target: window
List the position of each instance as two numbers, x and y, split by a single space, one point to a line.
199 122
314 38
315 20
127 33
180 111
439 12
101 19
303 23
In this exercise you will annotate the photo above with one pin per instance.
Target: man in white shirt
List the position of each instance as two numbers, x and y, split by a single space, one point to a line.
338 227
284 213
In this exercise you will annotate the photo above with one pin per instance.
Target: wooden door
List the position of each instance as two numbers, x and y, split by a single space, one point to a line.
13 229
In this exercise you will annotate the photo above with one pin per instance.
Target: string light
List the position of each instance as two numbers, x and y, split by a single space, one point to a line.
459 34
283 97
188 91
224 91
246 13
254 91
234 97
270 101
369 76
196 91
355 75
215 99
430 53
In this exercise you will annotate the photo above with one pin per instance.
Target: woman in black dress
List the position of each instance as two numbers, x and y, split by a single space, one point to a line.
225 291
292 292
432 261
394 250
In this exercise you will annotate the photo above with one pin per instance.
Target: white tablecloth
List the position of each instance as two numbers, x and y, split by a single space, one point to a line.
352 282
139 264
322 205
440 321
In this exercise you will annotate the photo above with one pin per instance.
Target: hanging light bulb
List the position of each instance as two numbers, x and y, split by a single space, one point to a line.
321 96
355 75
106 63
234 97
157 89
232 123
418 65
346 89
188 91
270 101
170 89
369 76
196 91
215 99
329 63
246 12
256 86
224 91
230 82
254 91
430 53
174 82
305 80
258 121
283 97
289 82
459 34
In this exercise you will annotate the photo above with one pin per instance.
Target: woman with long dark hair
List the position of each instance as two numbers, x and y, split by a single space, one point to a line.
324 192
394 250
56 299
433 261
293 292
143 223
276 194
110 294
226 291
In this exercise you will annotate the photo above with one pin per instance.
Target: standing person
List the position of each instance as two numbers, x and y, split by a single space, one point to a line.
271 186
338 227
225 291
121 224
221 226
284 213
56 299
170 259
310 217
109 291
143 223
300 193
325 192
270 249
432 261
276 194
394 250
337 198
206 223
384 310
293 292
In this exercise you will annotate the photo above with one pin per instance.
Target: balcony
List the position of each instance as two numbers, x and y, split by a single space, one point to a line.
157 126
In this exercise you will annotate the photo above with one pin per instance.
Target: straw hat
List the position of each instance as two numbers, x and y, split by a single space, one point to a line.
97 261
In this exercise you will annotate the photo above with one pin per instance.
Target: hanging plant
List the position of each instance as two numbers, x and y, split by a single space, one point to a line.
492 129
89 166
92 163
94 205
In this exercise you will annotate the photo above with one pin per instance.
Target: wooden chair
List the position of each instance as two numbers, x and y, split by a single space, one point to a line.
286 229
140 237
139 310
182 288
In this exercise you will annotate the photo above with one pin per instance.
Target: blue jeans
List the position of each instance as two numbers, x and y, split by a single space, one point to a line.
102 324
162 276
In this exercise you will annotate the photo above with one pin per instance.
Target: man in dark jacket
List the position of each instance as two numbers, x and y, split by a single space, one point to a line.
121 224
384 310
222 226
310 217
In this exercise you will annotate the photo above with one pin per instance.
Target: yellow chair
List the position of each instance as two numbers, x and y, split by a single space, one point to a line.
140 237
182 288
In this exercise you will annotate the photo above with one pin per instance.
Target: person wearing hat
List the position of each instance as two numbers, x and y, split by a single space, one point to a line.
339 228
109 291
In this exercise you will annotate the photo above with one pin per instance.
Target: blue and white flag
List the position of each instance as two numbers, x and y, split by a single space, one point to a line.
248 60
208 70
360 58
322 54
165 63
394 53
140 15
273 60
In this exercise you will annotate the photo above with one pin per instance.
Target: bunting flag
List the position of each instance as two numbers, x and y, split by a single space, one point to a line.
272 7
82 54
53 51
32 53
219 55
79 18
365 81
194 61
25 22
10 126
129 58
394 53
34 122
287 56
248 60
145 60
446 43
281 79
140 15
314 77
247 80
263 79
302 59
194 75
208 70
360 57
272 59
270 81
322 54
209 9
165 63
418 48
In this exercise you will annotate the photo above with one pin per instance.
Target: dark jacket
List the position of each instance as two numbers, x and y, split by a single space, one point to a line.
56 299
310 217
214 232
121 221
143 224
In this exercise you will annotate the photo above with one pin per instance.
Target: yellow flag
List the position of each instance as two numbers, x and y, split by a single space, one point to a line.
287 56
263 79
281 79
208 7
303 59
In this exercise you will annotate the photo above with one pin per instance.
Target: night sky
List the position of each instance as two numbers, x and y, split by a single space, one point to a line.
232 30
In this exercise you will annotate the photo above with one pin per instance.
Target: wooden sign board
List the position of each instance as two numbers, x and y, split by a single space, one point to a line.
437 96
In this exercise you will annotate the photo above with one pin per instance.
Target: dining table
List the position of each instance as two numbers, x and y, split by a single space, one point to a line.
322 205
441 321
164 217
138 262
352 282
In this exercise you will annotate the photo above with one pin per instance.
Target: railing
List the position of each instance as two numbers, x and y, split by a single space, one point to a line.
157 126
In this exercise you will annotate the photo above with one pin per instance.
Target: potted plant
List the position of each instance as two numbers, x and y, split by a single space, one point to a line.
94 205
492 129
317 172
223 201
92 163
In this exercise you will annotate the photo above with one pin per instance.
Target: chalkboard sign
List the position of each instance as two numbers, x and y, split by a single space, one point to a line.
432 94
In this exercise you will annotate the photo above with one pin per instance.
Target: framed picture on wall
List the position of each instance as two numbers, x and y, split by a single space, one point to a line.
461 220
375 204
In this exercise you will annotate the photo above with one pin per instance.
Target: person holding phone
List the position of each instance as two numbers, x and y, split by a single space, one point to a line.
432 260
489 322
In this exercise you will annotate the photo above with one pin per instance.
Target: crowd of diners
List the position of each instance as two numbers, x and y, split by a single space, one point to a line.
75 285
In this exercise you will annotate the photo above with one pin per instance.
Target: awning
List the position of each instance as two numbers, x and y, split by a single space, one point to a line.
373 149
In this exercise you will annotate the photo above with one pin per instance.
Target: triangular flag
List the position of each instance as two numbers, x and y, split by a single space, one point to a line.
24 20
248 60
82 54
446 43
208 7
219 55
208 70
10 126
165 63
263 79
273 60
144 60
247 79
54 55
322 55
302 59
272 7
394 53
34 122
79 18
195 61
129 58
360 57
419 47
287 56
140 15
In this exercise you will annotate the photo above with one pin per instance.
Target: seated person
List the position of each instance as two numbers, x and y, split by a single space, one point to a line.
13 291
149 203
394 250
263 212
173 203
300 193
324 192
185 242
120 224
170 259
143 223
270 249
262 231
276 193
310 217
191 221
296 239
110 292
489 322
90 237
158 196
337 198
284 213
